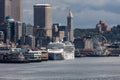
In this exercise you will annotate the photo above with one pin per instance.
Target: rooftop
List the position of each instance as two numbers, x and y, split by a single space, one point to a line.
70 14
42 5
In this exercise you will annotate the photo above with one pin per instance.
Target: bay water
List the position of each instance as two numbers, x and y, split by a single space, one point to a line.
84 68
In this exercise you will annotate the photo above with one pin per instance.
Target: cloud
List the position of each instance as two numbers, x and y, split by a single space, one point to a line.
86 13
88 2
91 17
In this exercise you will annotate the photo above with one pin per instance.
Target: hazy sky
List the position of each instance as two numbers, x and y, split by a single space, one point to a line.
87 13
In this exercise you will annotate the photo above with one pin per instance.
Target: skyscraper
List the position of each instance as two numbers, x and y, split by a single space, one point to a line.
43 17
10 8
70 33
43 22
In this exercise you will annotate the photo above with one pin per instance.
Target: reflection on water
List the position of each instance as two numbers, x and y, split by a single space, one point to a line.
99 68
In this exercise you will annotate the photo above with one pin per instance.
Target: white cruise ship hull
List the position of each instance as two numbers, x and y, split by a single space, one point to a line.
55 56
61 56
68 55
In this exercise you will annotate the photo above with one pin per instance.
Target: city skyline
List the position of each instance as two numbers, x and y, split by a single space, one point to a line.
86 13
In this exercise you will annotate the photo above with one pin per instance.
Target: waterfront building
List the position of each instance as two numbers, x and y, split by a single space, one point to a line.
58 31
85 43
70 32
10 8
88 42
42 23
30 40
79 43
26 30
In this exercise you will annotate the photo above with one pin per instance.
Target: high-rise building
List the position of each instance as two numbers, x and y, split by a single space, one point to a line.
42 22
30 40
58 31
69 30
12 30
10 8
27 29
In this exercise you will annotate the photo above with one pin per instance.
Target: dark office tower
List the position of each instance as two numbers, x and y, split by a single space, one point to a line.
11 8
43 22
69 31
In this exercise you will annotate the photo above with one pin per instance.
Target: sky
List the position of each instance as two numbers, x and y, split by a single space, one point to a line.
87 13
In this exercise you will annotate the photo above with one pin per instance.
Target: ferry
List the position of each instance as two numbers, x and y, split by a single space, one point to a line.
43 52
114 49
33 56
12 55
61 50
44 55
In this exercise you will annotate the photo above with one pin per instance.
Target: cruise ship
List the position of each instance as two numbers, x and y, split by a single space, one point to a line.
61 50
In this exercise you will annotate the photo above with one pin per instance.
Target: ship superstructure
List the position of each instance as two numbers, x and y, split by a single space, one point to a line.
60 50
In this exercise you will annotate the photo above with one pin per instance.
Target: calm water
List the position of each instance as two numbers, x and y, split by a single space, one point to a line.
101 68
